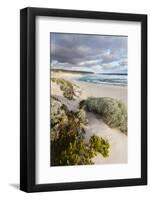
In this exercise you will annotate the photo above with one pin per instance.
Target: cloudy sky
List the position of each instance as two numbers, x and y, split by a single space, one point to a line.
95 53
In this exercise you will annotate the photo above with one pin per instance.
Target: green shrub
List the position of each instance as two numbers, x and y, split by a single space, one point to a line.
58 117
67 137
113 112
70 90
75 153
100 145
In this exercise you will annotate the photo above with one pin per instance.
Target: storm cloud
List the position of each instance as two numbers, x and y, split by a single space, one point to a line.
97 53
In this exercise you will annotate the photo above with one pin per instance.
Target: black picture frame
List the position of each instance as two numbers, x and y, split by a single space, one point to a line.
28 99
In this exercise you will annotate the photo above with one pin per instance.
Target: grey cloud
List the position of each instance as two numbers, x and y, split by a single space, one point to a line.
75 49
123 62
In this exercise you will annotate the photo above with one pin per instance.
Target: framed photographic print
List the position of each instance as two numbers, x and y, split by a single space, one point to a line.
83 95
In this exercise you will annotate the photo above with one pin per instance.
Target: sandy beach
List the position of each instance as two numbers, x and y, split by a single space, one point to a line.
94 90
118 141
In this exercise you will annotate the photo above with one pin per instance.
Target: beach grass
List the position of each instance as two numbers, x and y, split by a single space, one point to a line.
70 90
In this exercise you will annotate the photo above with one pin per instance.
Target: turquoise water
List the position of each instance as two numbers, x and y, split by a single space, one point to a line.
110 79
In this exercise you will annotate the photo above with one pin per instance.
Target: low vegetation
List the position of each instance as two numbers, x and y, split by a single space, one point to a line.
68 146
99 145
113 112
70 90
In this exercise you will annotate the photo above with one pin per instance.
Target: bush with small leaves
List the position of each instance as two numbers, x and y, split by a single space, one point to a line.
58 117
77 153
68 146
113 112
98 144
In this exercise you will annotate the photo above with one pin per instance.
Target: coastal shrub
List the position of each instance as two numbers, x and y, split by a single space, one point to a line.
70 90
113 112
75 153
100 145
58 117
68 146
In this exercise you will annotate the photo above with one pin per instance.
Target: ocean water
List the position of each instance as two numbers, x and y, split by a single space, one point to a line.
110 79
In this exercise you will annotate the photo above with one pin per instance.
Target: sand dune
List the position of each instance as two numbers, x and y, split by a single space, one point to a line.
118 141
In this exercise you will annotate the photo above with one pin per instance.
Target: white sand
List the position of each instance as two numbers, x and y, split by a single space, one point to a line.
118 141
95 90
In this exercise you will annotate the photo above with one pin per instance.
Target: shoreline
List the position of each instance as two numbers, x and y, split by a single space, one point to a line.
76 77
95 90
100 90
